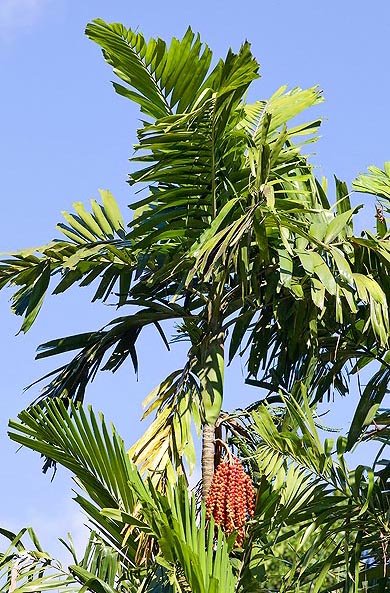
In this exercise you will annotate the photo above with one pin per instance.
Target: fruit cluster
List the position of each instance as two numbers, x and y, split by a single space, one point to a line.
231 499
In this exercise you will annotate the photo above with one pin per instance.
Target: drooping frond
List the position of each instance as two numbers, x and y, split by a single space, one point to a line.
167 445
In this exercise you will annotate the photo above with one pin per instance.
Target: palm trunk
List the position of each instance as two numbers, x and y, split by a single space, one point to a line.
211 375
208 450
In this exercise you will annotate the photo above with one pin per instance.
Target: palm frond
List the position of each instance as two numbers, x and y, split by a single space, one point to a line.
317 502
25 569
166 448
121 504
95 247
106 349
158 78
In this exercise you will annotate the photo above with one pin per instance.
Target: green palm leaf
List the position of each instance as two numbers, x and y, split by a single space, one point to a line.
26 570
167 444
307 496
159 78
93 250
115 488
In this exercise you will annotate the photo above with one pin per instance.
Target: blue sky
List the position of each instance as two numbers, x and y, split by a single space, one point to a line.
64 134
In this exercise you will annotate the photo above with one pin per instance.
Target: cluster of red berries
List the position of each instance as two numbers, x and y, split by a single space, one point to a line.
231 499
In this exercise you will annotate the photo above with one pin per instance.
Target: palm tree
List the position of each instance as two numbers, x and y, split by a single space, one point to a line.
237 243
235 235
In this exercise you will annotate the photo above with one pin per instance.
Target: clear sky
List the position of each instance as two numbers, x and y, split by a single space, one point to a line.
64 134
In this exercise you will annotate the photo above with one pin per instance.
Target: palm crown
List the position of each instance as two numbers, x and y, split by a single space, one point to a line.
235 234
